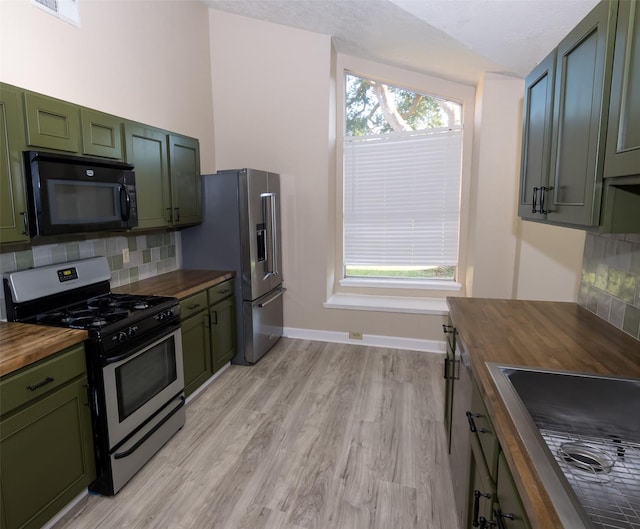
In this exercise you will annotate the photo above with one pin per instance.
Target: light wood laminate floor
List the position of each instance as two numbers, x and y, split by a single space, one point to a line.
315 436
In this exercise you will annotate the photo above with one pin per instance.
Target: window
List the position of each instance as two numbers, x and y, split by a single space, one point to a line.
402 172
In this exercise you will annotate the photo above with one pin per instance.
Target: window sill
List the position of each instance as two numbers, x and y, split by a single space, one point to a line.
413 284
409 305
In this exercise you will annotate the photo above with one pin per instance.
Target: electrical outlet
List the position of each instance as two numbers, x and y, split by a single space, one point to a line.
355 335
125 255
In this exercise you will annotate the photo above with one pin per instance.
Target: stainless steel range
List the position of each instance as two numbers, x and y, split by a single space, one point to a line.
134 358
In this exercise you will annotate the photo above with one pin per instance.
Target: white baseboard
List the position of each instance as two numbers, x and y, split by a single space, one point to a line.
393 342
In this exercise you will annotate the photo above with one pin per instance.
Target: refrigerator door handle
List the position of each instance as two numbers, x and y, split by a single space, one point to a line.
272 298
269 216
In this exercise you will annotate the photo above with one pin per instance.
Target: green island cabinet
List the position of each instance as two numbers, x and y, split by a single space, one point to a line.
167 168
208 333
45 439
484 490
580 164
493 499
13 206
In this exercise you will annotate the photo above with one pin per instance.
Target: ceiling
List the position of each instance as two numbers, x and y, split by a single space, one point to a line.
453 39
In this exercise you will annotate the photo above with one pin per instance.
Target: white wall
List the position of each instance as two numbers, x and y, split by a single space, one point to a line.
510 258
142 60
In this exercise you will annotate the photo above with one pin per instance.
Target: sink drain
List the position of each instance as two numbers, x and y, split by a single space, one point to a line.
592 461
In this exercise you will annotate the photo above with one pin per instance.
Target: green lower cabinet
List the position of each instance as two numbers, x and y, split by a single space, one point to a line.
223 332
509 508
196 351
47 456
482 490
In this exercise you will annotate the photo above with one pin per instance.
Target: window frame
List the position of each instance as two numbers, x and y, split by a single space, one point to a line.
463 94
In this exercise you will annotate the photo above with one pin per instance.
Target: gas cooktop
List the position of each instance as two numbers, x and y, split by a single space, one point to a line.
99 311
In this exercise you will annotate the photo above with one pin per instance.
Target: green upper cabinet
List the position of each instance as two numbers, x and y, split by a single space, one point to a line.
536 138
582 79
146 149
622 156
184 169
167 168
101 134
51 123
13 206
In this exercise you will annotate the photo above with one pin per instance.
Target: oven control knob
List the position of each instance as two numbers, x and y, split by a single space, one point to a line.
122 336
131 332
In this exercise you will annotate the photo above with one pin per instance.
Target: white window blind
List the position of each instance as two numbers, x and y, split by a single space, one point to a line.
401 198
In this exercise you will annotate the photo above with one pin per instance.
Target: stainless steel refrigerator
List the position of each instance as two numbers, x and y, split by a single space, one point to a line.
240 231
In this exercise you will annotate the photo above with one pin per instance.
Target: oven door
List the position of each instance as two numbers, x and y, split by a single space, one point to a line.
139 385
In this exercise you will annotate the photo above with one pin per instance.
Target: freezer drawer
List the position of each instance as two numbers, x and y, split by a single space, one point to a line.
262 324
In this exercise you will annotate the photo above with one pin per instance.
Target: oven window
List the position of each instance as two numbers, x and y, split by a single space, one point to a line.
80 202
146 375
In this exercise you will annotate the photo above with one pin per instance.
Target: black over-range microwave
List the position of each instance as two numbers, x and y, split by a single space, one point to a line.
72 194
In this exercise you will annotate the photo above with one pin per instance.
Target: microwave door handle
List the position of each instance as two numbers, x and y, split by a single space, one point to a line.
125 203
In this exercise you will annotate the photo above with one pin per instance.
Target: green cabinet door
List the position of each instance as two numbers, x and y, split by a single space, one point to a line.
536 139
146 149
481 489
223 332
623 136
13 206
582 81
51 123
47 456
196 351
101 134
510 508
184 168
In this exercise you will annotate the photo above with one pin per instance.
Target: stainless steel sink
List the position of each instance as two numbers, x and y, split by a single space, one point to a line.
583 434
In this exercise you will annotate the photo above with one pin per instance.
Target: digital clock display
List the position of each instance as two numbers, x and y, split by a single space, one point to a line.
67 274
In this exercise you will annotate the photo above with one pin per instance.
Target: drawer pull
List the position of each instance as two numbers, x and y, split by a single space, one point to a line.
472 424
46 381
447 329
194 306
224 291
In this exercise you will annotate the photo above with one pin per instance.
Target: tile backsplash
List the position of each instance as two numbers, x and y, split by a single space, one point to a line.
610 285
149 255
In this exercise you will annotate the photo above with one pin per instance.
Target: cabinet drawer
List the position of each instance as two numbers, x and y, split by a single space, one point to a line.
220 291
32 381
484 431
189 306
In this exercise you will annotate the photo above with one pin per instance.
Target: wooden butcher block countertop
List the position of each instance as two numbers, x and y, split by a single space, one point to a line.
178 284
549 335
22 344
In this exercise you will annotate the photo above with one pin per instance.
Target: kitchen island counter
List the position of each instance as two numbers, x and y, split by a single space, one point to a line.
178 284
547 335
22 344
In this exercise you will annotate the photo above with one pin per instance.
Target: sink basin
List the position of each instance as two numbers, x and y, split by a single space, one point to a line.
583 435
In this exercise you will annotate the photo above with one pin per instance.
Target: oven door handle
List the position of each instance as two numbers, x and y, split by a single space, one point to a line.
153 430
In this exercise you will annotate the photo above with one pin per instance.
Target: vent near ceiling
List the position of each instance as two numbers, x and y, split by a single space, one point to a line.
66 10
